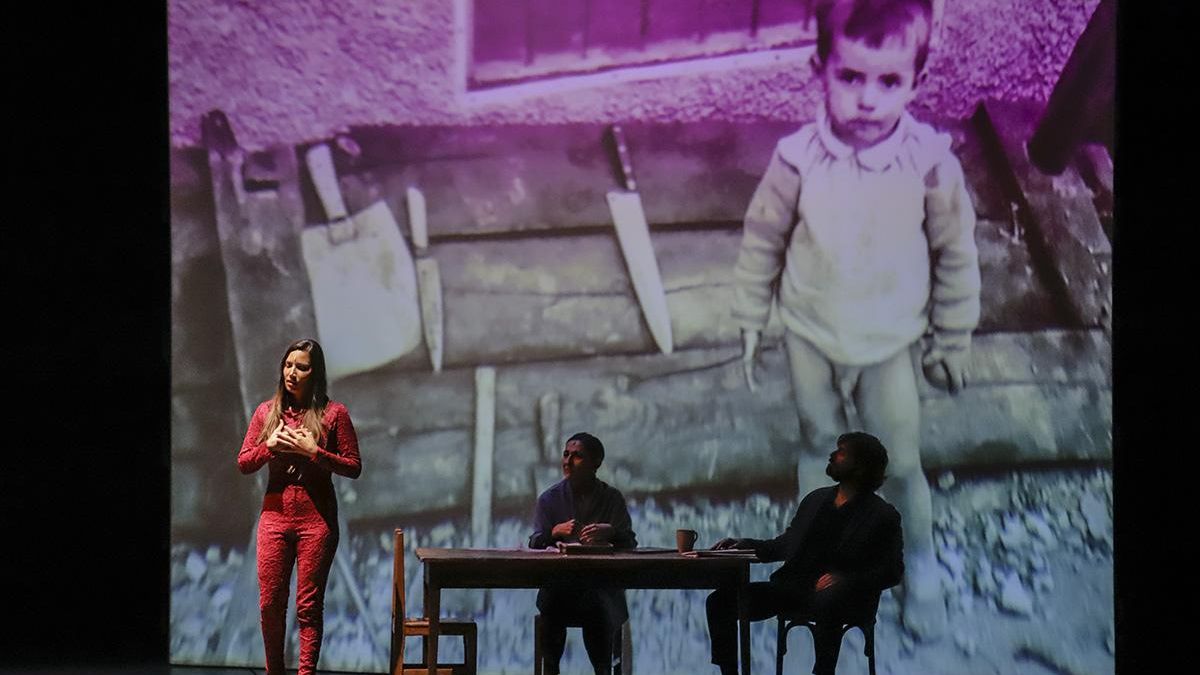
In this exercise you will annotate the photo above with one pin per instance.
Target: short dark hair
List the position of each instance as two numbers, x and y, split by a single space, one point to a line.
593 446
870 458
873 21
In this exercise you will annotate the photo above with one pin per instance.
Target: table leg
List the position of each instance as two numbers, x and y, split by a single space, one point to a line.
433 611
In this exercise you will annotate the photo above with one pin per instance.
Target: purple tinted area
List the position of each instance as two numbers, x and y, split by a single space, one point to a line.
715 16
286 72
673 20
555 26
615 24
782 12
499 31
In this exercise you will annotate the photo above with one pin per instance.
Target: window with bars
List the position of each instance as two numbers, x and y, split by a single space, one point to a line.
516 41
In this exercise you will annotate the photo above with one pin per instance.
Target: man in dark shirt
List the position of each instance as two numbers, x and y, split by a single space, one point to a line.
842 548
582 508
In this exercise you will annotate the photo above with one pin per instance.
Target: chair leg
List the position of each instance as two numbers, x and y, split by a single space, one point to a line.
780 643
869 647
537 644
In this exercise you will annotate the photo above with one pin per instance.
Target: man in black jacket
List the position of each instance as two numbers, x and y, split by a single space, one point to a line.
842 548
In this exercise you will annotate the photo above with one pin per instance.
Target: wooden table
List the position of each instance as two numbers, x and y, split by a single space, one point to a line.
525 568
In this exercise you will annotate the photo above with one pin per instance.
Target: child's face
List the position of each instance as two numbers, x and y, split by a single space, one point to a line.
868 88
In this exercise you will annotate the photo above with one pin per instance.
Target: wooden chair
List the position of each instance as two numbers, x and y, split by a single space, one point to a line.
622 649
864 621
403 628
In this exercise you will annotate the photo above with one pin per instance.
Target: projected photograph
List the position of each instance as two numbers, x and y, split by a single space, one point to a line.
715 235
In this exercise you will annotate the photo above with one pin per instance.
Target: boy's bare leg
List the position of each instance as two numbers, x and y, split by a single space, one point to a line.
889 406
819 408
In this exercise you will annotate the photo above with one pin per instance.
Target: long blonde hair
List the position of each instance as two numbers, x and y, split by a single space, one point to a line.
317 397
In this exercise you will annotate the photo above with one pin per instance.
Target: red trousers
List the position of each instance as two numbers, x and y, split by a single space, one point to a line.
291 531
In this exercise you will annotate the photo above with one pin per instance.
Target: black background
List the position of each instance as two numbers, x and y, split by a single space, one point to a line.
85 455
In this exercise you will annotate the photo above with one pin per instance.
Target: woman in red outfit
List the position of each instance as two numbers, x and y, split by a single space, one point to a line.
303 438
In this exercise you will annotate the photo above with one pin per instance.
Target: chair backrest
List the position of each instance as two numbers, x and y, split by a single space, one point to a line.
397 650
398 583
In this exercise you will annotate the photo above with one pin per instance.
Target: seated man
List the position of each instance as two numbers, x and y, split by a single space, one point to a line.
842 548
581 508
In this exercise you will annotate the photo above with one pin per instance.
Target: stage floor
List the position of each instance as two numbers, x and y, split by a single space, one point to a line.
136 669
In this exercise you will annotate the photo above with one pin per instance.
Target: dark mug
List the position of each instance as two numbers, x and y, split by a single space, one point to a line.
685 540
